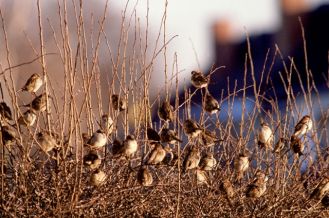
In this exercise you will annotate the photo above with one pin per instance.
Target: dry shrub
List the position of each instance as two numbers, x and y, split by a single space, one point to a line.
57 183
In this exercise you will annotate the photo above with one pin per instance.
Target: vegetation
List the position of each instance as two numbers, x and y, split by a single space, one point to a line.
54 162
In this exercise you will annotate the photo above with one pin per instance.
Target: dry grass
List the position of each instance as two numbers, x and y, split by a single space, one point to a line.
57 183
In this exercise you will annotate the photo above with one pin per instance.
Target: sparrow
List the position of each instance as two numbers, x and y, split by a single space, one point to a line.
169 136
279 145
39 103
227 188
265 136
28 118
208 138
144 176
191 128
166 112
241 165
321 189
258 187
211 105
46 141
98 178
97 140
117 147
118 104
198 80
296 145
130 146
201 177
5 112
157 154
92 160
107 124
152 135
208 162
303 126
9 135
33 84
192 159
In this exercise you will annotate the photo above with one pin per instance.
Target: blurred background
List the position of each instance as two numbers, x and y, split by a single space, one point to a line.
213 33
210 34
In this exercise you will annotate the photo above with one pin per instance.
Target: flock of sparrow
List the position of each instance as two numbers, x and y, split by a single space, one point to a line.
193 161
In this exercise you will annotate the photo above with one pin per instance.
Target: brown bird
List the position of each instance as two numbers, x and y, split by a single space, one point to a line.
157 154
258 187
92 160
33 84
144 176
5 112
265 136
130 146
208 138
279 146
152 135
211 105
97 140
191 128
303 126
201 177
241 165
227 188
98 178
47 141
9 135
166 111
321 189
199 80
107 124
192 159
117 147
118 104
39 103
169 136
296 145
28 118
208 162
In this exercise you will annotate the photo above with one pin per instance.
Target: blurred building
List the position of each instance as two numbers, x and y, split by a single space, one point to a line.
267 63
